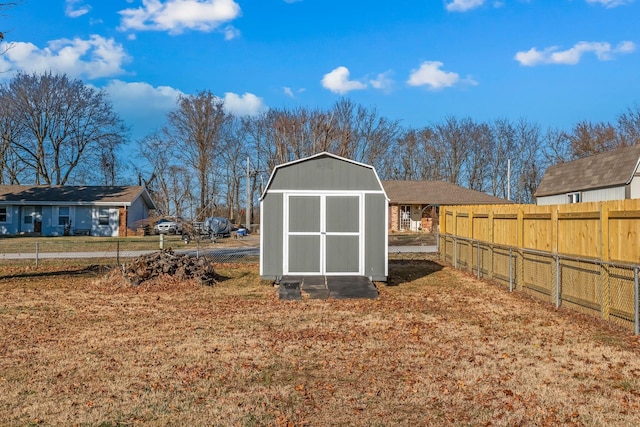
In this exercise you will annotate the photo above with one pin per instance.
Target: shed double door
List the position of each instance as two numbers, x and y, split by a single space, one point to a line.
323 234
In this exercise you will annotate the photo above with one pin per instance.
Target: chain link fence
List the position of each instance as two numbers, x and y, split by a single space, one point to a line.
608 290
116 251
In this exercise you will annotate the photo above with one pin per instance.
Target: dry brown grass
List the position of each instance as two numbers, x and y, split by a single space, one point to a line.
437 348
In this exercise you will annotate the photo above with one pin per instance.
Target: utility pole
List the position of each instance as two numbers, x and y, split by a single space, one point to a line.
247 223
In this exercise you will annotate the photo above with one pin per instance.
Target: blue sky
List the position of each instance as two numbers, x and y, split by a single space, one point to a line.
552 62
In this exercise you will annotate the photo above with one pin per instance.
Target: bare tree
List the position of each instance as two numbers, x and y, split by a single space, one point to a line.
628 126
11 168
168 181
480 151
69 132
589 138
196 128
453 140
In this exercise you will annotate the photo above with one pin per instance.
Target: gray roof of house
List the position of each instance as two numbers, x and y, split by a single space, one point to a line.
74 195
611 169
436 193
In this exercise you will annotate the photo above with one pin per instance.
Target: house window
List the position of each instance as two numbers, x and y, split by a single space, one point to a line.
574 197
63 215
103 216
4 216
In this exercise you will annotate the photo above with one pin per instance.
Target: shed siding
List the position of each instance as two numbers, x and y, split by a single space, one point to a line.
343 257
326 174
375 231
304 214
343 214
272 235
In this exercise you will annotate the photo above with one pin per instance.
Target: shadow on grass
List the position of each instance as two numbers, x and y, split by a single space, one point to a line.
406 270
88 271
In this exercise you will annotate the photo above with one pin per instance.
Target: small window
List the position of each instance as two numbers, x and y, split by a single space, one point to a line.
574 197
103 216
63 216
28 219
3 214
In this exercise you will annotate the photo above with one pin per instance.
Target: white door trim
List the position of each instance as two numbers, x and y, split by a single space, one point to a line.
323 231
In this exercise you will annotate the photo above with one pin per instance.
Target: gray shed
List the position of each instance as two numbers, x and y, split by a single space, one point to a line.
324 215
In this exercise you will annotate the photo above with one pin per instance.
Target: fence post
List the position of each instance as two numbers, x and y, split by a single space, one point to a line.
455 252
604 257
37 252
510 269
557 280
118 252
636 304
478 259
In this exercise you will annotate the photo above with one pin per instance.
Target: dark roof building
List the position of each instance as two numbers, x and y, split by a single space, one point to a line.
57 210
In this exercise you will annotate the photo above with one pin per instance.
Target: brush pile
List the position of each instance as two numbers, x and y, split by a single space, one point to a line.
167 263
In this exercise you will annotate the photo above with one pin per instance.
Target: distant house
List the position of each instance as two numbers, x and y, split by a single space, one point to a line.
58 210
613 175
414 205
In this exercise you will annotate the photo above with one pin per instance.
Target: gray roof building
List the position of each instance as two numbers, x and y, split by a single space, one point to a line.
323 215
436 193
612 175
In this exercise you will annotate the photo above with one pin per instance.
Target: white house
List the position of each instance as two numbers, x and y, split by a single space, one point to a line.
58 210
613 175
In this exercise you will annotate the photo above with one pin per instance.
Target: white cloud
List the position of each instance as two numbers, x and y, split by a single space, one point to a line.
290 92
382 81
143 107
463 5
430 74
176 16
551 55
76 8
243 105
337 81
230 32
92 58
610 3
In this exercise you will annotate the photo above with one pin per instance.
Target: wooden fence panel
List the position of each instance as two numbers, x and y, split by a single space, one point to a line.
578 230
505 229
624 236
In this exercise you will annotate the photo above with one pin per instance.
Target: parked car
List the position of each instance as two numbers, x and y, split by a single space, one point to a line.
167 226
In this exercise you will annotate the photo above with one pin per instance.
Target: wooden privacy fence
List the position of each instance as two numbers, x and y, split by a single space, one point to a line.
583 256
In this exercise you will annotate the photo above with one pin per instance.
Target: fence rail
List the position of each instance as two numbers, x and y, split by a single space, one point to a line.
108 251
609 290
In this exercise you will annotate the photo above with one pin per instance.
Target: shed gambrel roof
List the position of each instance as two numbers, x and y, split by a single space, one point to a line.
611 169
436 193
72 195
323 176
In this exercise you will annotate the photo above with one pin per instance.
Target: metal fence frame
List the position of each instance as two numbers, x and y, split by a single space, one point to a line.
610 290
110 252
